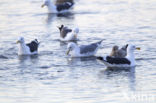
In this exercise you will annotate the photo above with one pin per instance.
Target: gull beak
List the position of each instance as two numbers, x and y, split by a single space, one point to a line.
42 5
138 48
17 41
68 51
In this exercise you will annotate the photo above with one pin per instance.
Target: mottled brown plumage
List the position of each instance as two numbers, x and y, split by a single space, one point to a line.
64 31
114 52
120 53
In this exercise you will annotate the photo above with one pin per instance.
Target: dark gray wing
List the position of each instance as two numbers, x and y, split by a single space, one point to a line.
112 60
64 6
62 1
89 48
33 45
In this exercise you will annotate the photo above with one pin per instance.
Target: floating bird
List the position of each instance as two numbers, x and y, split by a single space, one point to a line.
64 31
67 34
57 8
128 61
83 50
27 49
120 53
63 1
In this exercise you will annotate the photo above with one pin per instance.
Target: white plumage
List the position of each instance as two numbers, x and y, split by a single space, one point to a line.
71 36
27 49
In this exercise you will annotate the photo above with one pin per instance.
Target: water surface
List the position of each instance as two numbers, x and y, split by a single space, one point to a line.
53 77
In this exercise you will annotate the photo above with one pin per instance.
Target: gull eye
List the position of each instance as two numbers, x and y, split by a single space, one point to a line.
71 48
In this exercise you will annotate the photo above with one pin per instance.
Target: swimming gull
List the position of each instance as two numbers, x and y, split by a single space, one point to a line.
83 50
57 8
67 34
128 61
27 49
121 53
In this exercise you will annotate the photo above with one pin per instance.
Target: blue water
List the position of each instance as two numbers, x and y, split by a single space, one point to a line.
53 77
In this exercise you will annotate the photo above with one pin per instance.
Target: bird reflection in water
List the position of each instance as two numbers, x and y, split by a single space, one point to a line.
25 58
75 60
53 16
121 72
64 43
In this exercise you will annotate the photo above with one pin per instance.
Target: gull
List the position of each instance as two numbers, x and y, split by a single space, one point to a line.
83 50
67 34
128 61
57 8
27 49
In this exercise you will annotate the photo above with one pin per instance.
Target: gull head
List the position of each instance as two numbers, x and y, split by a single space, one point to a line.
20 40
115 48
45 3
75 32
131 48
71 46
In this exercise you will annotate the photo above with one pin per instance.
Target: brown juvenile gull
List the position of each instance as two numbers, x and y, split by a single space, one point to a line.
120 53
67 34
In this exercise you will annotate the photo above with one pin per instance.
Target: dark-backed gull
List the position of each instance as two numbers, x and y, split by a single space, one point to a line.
57 8
27 49
63 1
128 61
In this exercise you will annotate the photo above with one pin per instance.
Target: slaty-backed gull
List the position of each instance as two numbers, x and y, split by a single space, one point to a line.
27 49
128 61
63 1
57 8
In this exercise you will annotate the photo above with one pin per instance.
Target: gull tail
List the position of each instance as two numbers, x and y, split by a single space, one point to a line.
100 41
60 28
